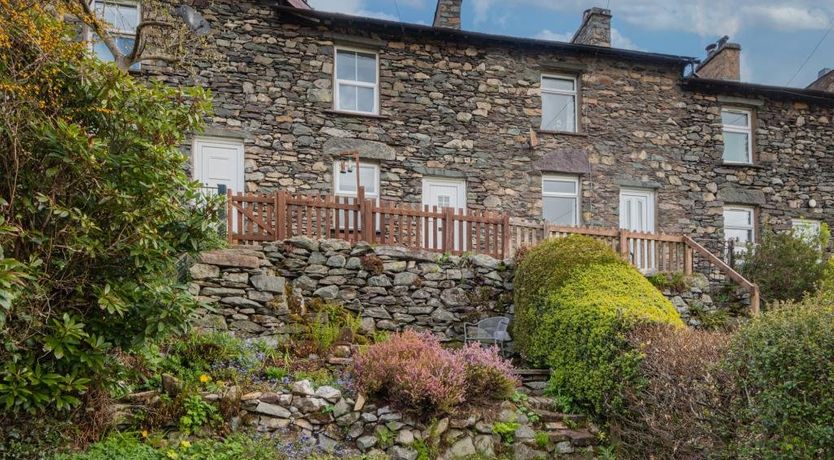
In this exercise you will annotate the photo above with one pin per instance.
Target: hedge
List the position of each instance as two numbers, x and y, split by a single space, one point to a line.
584 329
543 271
783 365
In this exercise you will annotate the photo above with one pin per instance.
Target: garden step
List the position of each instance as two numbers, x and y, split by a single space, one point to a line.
550 416
581 438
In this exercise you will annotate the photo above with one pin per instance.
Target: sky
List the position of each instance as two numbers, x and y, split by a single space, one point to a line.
776 37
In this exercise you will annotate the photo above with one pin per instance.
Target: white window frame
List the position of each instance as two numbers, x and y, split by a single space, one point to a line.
748 130
337 80
814 226
337 181
574 94
752 227
120 33
576 195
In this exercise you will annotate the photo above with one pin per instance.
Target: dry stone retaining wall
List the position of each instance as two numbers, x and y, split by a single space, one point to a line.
253 289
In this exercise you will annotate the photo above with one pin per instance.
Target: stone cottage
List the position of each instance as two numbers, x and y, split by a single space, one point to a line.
577 133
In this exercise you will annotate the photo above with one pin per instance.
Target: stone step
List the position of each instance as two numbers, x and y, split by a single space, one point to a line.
550 416
578 438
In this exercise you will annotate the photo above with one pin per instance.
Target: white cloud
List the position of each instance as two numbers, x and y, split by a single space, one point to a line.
618 40
355 8
547 34
707 18
786 17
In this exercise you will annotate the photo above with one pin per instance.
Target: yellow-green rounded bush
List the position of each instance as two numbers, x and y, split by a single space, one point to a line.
583 331
544 270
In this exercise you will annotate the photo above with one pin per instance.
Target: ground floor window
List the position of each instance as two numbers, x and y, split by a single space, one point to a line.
560 199
807 229
739 226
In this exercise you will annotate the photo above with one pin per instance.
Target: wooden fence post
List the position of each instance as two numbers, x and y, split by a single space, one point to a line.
448 229
623 244
281 215
687 260
229 219
505 232
359 226
755 300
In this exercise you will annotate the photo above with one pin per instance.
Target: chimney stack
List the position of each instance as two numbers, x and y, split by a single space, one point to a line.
447 14
723 61
824 81
595 29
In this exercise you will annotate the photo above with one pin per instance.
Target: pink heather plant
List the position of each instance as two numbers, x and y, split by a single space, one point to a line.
414 370
488 375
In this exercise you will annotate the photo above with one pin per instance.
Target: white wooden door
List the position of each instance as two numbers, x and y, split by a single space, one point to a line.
218 161
637 208
443 193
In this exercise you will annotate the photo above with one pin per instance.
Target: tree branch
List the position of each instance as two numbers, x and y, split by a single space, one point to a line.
106 38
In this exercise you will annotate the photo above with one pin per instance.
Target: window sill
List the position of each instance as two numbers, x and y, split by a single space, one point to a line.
355 114
565 133
730 164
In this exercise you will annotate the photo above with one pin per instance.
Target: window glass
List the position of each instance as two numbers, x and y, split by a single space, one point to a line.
346 181
558 103
807 229
366 67
559 210
558 186
121 17
565 84
737 136
739 227
356 75
734 118
558 112
560 199
735 147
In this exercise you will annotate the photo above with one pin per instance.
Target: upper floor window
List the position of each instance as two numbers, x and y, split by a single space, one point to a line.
740 226
560 199
122 18
558 103
356 88
738 135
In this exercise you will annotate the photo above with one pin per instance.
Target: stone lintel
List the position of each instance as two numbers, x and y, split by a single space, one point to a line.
737 195
367 149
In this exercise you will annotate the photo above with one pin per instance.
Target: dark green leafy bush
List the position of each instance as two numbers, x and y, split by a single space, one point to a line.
584 327
129 447
95 210
783 365
542 271
786 265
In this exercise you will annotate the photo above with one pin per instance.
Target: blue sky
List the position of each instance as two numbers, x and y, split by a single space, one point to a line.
776 36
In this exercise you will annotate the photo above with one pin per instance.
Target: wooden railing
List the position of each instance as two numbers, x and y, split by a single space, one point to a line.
257 217
252 218
649 252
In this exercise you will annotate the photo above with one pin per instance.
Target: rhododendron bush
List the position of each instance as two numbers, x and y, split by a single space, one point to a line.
412 369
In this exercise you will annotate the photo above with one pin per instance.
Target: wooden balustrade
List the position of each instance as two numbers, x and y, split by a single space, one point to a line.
253 218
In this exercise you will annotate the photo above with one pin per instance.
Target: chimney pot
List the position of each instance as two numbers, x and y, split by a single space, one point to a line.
723 61
447 14
595 29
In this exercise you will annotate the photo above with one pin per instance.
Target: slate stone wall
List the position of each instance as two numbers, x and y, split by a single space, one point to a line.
255 290
465 109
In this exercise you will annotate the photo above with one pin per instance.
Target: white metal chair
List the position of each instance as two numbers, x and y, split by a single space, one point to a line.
489 330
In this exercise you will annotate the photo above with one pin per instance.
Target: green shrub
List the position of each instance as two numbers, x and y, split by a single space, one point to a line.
584 326
783 364
543 270
100 210
786 265
125 446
